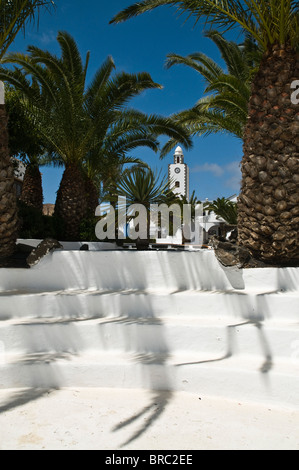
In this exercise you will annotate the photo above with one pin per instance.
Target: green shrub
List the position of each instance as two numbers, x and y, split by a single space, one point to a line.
33 224
87 229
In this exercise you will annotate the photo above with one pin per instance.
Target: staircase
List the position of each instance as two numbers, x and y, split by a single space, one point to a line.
154 320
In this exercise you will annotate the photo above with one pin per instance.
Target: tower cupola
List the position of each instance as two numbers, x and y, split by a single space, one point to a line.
178 156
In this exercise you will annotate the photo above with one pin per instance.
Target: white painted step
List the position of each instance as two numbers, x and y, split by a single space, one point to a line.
162 320
154 271
238 377
150 335
86 304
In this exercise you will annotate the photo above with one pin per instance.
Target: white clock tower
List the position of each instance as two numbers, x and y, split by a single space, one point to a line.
178 174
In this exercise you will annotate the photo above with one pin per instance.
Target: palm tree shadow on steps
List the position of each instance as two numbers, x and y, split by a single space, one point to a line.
231 346
254 310
149 350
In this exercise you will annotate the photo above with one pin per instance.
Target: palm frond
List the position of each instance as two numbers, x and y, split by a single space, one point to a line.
95 89
32 69
267 21
224 209
15 15
225 109
200 62
230 83
71 57
123 87
143 186
234 56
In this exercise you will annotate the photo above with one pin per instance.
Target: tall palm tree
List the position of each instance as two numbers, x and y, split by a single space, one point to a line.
25 143
55 90
8 202
32 190
14 17
268 203
73 118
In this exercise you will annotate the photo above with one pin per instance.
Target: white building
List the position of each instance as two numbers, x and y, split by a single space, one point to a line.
178 174
211 223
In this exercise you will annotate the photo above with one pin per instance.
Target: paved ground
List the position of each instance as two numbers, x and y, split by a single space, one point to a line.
105 419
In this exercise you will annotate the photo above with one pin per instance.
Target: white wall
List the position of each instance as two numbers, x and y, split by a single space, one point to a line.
149 270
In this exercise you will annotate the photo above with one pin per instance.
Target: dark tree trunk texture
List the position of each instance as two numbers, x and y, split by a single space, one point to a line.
9 222
32 191
71 202
92 197
269 200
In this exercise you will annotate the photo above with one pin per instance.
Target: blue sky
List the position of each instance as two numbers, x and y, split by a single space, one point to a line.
141 44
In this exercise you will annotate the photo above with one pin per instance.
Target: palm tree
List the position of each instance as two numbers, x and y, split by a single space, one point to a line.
268 203
145 187
32 191
55 93
25 143
73 118
224 209
110 173
14 17
132 129
8 200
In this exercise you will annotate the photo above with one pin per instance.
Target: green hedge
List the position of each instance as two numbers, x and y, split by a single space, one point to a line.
33 224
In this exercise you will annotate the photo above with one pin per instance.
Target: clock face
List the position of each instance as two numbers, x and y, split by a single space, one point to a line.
177 170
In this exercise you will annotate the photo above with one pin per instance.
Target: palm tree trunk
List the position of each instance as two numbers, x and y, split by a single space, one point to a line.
92 197
8 200
269 199
71 202
32 191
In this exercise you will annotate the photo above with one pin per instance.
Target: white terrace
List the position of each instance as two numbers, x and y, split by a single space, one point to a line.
157 321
